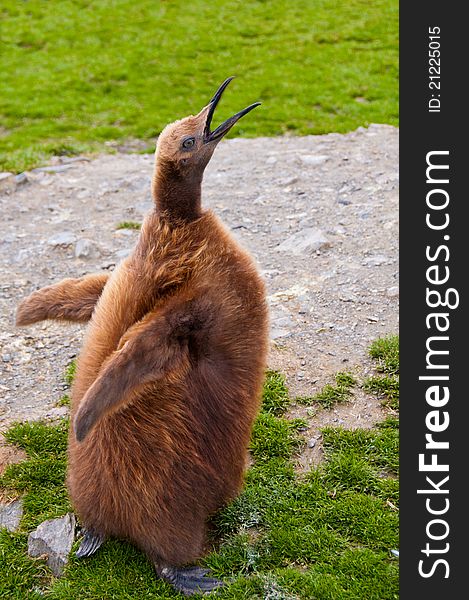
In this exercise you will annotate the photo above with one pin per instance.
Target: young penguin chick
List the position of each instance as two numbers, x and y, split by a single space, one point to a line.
169 379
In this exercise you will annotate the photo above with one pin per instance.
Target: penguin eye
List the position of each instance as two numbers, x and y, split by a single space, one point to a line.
188 143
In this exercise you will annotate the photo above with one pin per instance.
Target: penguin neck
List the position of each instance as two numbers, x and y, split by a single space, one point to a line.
177 198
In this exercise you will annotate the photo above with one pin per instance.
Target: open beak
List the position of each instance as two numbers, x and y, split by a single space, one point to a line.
221 130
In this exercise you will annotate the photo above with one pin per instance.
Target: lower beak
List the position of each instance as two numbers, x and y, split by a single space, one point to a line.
221 130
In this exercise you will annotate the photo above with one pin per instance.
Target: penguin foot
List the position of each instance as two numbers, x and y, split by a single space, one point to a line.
190 580
89 544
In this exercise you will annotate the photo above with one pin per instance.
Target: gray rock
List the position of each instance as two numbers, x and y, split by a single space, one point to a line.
52 169
65 238
86 248
10 515
21 178
376 260
286 181
278 332
306 241
124 253
53 539
311 159
5 175
393 291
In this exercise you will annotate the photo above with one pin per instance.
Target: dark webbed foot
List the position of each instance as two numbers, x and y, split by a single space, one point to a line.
190 580
89 544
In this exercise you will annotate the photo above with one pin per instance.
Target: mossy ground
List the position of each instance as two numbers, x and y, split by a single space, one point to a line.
324 535
81 76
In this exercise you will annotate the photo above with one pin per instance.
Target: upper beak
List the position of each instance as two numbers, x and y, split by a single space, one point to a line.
221 130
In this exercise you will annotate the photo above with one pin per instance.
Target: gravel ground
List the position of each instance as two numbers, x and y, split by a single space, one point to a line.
319 213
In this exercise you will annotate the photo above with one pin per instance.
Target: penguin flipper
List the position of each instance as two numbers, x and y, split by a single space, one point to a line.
152 348
69 300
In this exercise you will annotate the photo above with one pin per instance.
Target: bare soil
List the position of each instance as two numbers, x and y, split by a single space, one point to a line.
319 213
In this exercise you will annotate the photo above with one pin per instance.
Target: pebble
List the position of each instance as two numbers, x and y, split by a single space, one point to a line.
306 241
86 248
310 159
21 178
11 514
52 169
65 238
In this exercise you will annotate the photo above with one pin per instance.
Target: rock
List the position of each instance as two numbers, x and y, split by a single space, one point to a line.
311 159
278 332
312 443
86 249
393 292
21 178
124 253
10 515
306 241
286 181
54 539
65 238
375 261
7 182
52 169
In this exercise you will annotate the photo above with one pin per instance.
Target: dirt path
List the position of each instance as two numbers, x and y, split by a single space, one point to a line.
319 213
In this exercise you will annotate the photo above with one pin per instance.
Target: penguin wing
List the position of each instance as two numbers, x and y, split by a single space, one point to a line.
155 347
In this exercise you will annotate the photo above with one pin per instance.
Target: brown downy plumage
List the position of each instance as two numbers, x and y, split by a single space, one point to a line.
169 379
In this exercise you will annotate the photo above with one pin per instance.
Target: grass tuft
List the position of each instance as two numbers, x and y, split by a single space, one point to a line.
385 351
70 372
331 394
275 398
128 225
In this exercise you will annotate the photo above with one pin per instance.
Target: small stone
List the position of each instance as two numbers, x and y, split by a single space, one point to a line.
5 175
306 241
312 443
86 249
65 238
53 539
52 169
21 178
311 159
347 297
123 253
393 291
286 181
375 261
10 515
278 332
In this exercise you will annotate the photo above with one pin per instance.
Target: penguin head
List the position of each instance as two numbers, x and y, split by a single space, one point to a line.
187 145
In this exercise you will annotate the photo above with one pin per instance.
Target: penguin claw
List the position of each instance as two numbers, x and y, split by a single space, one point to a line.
89 544
191 580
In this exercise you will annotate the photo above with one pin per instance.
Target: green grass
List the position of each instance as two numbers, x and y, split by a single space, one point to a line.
70 372
331 394
77 74
324 535
128 225
386 352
